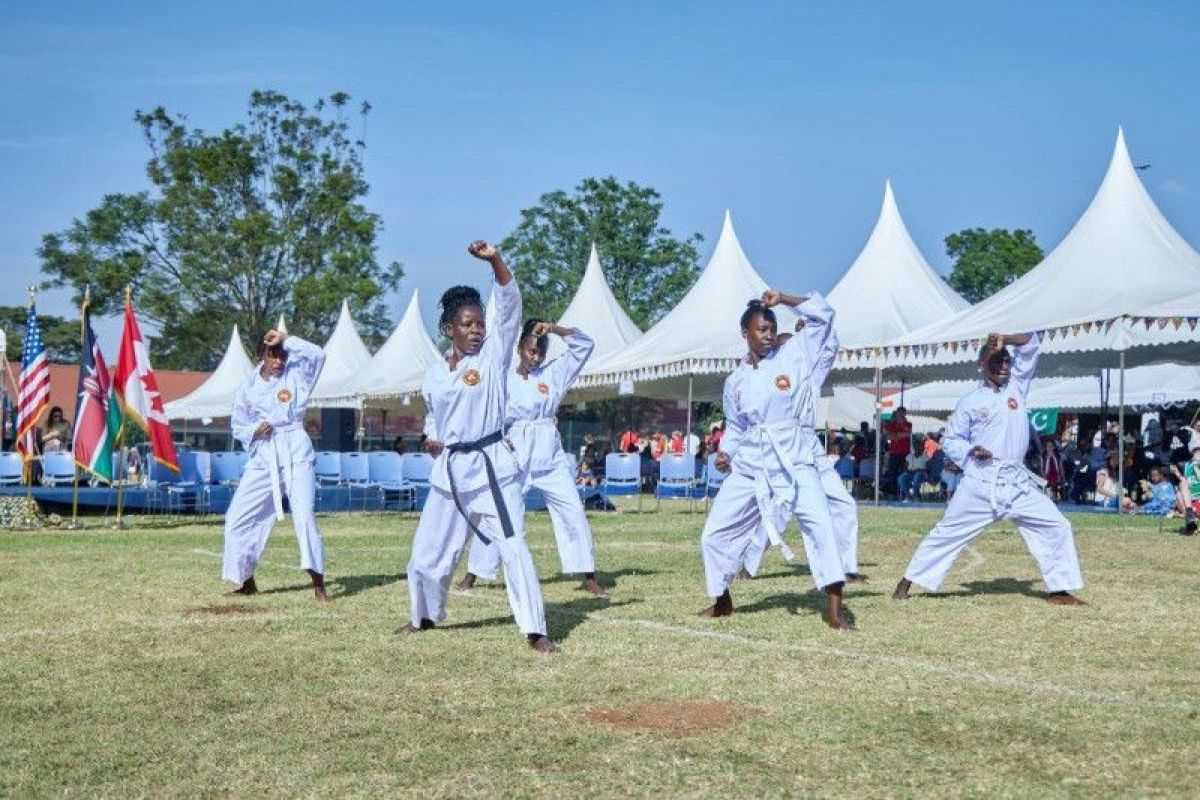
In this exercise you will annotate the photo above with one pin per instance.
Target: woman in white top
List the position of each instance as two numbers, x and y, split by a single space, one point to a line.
768 451
535 390
268 419
475 482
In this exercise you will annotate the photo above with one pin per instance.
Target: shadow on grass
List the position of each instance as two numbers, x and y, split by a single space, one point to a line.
996 586
806 603
350 585
608 580
561 618
297 587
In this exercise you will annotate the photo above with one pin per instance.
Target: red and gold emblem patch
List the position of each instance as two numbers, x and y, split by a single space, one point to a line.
543 388
284 396
471 377
1012 403
783 383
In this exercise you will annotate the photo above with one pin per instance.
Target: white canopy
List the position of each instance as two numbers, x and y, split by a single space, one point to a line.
214 397
398 368
345 358
595 311
699 337
1157 385
890 290
1120 259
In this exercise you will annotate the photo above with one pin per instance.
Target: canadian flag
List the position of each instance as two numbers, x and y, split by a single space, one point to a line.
137 389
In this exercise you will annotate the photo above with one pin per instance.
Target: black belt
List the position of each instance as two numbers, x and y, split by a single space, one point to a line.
478 446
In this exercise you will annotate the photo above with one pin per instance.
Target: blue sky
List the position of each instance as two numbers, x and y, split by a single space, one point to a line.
790 114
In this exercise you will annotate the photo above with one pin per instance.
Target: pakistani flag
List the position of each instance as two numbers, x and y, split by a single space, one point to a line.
1044 421
97 413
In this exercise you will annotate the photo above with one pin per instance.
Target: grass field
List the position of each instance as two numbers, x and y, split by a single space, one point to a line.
120 675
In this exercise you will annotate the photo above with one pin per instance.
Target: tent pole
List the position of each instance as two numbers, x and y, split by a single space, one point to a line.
878 423
1121 436
687 432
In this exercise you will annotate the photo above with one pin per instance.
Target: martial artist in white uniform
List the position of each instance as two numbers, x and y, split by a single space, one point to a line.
823 346
769 413
987 435
533 401
268 419
475 482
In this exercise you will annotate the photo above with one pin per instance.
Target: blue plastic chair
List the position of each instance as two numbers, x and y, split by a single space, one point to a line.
12 469
622 476
228 466
713 478
356 474
417 467
676 477
386 470
58 468
328 467
192 488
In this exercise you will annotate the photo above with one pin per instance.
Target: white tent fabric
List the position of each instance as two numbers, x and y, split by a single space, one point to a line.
1120 259
398 368
699 337
890 290
595 311
345 358
214 397
281 326
1157 385
848 407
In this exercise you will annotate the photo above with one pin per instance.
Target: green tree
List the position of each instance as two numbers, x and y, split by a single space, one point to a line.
987 261
262 218
60 335
648 269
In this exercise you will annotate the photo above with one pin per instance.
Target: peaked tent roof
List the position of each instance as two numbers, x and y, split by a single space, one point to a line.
345 358
214 397
890 290
595 311
700 335
398 368
281 325
1121 257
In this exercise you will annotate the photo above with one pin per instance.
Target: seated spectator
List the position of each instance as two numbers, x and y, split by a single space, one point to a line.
951 475
844 464
56 436
908 485
398 445
1188 482
1107 488
1165 498
585 476
676 445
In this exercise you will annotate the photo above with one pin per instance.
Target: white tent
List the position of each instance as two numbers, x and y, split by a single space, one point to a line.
1156 385
345 358
698 342
848 406
890 290
281 326
1120 259
214 397
397 369
595 311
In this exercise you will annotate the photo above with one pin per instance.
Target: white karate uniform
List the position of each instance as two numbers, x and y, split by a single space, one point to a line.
843 511
533 402
998 488
769 413
278 465
465 405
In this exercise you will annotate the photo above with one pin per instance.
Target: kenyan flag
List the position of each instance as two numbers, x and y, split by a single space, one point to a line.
97 413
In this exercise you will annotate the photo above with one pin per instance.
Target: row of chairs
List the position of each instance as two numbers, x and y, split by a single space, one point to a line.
677 478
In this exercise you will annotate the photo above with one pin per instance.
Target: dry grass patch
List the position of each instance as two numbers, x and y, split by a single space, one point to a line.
674 719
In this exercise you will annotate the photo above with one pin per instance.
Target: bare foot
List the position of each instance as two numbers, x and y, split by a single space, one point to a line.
466 584
901 592
590 584
426 625
841 623
248 587
722 608
318 582
856 577
1064 599
835 616
541 642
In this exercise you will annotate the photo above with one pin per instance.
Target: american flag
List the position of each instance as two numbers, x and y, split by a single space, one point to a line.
34 393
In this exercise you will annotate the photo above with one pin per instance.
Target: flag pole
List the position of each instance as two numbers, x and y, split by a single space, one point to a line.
120 523
28 467
74 524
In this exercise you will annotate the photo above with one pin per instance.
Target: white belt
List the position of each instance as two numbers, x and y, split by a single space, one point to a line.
764 494
519 430
278 466
1009 473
